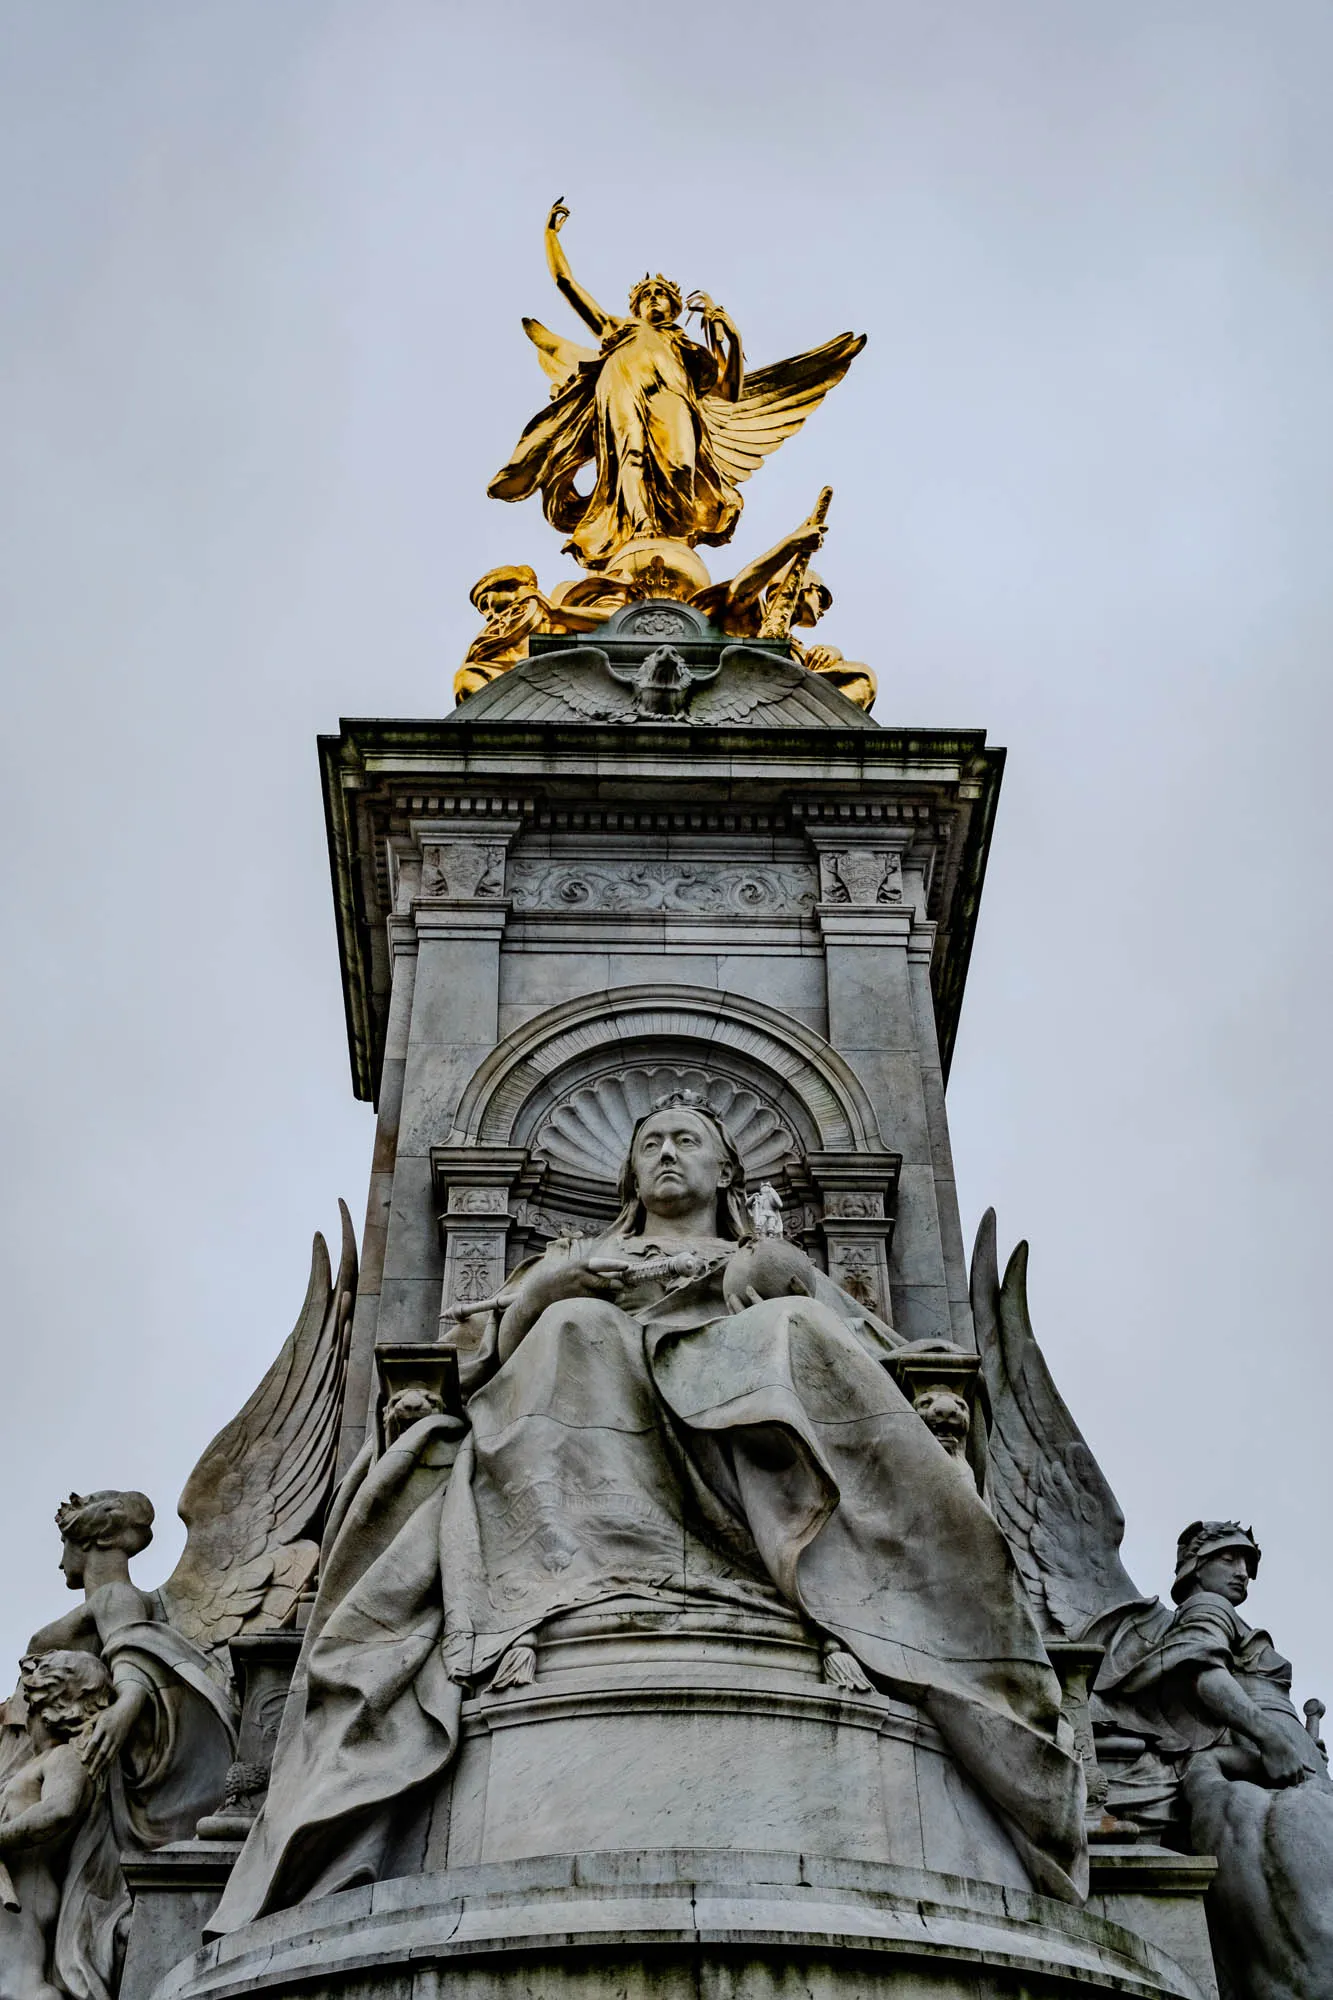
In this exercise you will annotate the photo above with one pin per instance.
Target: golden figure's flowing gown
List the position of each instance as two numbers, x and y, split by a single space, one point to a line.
635 410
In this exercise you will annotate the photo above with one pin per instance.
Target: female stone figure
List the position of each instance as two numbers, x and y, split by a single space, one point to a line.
1212 1697
670 1413
169 1729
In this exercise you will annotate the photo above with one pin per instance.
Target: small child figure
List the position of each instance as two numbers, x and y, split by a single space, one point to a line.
43 1802
766 1210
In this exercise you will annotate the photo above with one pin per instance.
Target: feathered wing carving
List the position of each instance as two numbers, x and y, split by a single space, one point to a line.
251 1503
560 358
774 402
1049 1494
580 676
756 678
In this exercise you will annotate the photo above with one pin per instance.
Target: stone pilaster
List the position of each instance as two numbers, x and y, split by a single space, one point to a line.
858 1200
449 886
473 1188
872 887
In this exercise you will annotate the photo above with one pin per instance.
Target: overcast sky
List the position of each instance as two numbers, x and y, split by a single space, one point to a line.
264 266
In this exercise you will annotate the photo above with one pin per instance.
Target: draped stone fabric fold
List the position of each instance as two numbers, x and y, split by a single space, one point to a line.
760 1457
372 1712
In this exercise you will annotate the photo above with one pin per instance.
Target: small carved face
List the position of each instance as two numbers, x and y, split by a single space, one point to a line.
1227 1574
945 1413
812 603
408 1407
65 1690
678 1162
654 303
72 1560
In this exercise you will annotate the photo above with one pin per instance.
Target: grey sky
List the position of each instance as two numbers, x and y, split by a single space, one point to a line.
260 352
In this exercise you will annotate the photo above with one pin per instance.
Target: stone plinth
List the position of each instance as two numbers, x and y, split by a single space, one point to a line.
677 1924
705 1729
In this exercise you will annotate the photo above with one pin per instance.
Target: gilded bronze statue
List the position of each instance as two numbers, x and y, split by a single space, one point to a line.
672 425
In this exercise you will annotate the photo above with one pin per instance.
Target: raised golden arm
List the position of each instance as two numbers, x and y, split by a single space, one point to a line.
584 304
724 340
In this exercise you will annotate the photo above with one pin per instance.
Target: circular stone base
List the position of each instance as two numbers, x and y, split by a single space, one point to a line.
662 1925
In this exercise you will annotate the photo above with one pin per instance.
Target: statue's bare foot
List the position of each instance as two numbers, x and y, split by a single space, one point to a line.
844 1670
518 1664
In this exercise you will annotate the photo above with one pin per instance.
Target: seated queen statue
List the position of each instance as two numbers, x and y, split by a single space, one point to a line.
676 1413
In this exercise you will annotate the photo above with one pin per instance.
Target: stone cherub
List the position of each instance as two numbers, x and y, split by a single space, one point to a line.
671 425
1197 1698
57 1845
714 1401
160 1733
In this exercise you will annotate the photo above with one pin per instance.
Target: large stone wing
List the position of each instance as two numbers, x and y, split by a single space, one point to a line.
253 1504
774 402
1049 1494
749 679
560 358
580 677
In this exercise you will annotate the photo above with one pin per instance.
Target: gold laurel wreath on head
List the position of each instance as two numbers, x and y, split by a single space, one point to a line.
646 283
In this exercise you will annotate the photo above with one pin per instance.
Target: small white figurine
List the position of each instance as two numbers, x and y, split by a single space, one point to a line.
766 1210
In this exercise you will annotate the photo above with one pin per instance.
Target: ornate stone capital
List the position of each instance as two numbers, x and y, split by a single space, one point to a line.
855 1195
473 1187
450 864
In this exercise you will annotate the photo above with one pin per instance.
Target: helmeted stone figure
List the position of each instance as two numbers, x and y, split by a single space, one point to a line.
1211 1699
1193 1705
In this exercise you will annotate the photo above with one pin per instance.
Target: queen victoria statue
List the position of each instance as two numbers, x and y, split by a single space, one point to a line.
673 1414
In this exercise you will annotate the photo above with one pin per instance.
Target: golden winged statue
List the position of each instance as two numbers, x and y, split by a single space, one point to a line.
672 425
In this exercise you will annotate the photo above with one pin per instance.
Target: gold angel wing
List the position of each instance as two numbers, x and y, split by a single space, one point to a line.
256 1497
773 403
560 358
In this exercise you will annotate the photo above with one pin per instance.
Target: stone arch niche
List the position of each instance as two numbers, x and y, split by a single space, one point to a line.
545 1123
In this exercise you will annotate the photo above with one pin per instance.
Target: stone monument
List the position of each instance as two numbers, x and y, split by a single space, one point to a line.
657 1565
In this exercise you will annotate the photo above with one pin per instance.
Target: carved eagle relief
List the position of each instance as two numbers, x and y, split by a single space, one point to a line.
663 686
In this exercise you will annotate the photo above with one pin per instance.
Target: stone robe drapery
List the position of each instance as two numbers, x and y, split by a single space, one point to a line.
671 1452
636 412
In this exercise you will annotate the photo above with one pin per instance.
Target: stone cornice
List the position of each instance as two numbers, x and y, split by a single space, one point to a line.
927 791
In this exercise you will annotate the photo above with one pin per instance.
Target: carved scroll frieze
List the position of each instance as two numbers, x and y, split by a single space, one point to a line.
705 888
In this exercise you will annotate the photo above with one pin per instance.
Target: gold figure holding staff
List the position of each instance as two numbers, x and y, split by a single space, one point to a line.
672 425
